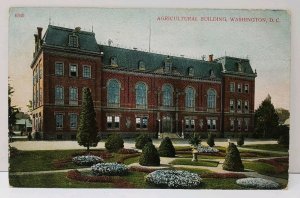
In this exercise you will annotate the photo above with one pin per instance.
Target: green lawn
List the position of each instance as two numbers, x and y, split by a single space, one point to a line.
199 163
211 183
132 160
183 148
269 147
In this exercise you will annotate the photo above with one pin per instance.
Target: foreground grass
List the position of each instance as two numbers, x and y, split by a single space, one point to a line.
198 163
269 147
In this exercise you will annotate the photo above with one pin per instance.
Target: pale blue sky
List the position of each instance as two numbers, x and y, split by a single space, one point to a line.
267 45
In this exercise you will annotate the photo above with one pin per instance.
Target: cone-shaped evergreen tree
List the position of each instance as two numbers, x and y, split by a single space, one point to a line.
149 156
233 160
166 148
87 130
210 140
240 140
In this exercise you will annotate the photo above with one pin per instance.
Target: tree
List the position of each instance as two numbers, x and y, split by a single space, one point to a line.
233 160
283 115
166 148
30 109
87 130
142 140
149 156
12 110
266 118
210 140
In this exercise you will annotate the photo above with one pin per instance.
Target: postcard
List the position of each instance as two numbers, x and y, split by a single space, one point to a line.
149 98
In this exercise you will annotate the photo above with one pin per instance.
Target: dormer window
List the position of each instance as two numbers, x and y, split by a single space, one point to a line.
142 65
73 40
114 61
211 73
168 65
191 71
239 67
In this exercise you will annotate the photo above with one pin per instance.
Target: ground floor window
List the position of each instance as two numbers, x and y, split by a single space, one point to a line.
232 125
141 122
113 122
211 124
73 121
189 124
59 118
239 124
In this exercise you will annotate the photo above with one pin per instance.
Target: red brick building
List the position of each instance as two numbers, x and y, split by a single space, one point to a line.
136 91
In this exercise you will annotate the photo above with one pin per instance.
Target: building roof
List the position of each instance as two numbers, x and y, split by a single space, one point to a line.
59 36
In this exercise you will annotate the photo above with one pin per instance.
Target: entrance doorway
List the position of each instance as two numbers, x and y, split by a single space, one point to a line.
167 124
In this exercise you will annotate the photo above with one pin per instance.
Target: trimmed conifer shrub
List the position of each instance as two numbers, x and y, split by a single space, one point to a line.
149 156
114 143
142 140
210 140
233 160
240 140
166 148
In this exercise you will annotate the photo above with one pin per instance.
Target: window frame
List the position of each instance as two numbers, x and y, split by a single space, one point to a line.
190 97
56 72
211 99
83 71
239 88
232 87
73 101
143 122
61 126
70 70
76 122
167 99
115 99
246 90
114 124
60 100
141 92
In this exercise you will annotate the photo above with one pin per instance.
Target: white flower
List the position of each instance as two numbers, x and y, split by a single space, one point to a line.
87 160
109 169
258 183
206 149
174 179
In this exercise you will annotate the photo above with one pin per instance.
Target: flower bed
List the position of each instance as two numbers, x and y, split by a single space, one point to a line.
87 160
127 151
223 175
102 154
109 169
174 179
206 149
257 183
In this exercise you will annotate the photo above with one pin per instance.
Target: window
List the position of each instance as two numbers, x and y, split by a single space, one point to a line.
59 118
246 124
246 107
142 65
73 70
239 105
141 95
167 95
73 121
73 40
239 124
168 65
189 124
59 69
113 93
59 95
211 99
232 125
141 122
86 71
113 122
189 97
239 88
211 124
246 88
231 105
113 61
191 71
232 87
73 96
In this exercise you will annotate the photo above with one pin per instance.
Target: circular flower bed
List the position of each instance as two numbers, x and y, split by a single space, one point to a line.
174 179
110 169
206 149
87 160
258 183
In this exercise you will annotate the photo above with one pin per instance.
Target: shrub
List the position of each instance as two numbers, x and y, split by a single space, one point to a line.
29 136
257 183
233 160
111 169
166 148
114 143
240 140
195 140
174 179
149 156
87 160
284 140
142 140
210 140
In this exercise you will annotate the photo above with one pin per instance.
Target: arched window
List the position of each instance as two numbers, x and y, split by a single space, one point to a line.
191 71
142 65
113 61
211 99
189 97
141 95
59 95
167 95
113 92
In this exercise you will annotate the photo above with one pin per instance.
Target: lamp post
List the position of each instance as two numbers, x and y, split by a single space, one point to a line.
182 134
158 128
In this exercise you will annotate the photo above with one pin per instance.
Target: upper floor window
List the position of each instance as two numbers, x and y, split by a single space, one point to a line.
113 92
59 69
59 95
191 71
113 61
168 65
73 40
73 70
239 105
86 71
246 88
231 124
189 97
73 121
167 91
141 95
211 99
232 87
246 106
142 65
73 96
239 88
231 105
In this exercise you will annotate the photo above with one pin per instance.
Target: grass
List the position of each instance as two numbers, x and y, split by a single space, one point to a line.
268 147
183 148
199 163
132 160
211 183
260 167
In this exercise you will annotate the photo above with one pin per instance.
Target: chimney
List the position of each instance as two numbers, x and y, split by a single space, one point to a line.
39 29
210 57
35 38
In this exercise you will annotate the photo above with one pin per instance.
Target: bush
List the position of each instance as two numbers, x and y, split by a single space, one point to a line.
29 136
195 140
258 183
240 140
284 140
149 156
110 169
142 140
210 140
174 179
86 160
233 160
166 148
114 143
